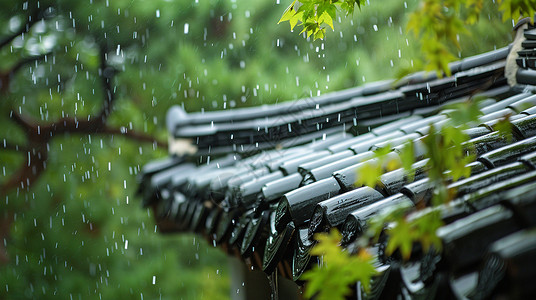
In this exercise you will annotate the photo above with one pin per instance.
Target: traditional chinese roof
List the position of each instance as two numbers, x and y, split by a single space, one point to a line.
260 181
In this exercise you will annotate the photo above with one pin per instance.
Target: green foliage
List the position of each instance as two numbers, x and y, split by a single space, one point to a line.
504 127
514 9
407 158
316 15
372 169
473 7
437 24
448 154
332 279
404 231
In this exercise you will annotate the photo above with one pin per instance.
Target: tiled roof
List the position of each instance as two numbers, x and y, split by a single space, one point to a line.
527 59
263 180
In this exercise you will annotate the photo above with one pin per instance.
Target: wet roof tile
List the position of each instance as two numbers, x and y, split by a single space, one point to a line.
292 170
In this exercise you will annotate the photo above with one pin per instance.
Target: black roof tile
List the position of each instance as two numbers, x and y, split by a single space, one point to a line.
301 258
530 34
212 220
395 141
333 211
225 226
200 214
239 230
366 145
419 191
248 192
256 233
327 170
526 76
347 177
505 267
529 111
356 221
277 245
477 131
478 181
344 145
488 142
298 205
508 153
465 241
529 160
525 127
493 194
293 167
306 167
392 182
499 105
277 188
413 126
395 125
529 44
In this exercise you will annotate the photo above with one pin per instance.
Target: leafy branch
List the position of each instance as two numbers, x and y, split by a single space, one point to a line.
316 15
372 169
437 24
448 154
339 269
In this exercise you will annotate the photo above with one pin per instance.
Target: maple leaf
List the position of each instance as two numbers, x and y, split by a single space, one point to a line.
400 237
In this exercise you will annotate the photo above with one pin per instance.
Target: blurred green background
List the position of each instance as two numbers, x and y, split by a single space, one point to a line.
79 232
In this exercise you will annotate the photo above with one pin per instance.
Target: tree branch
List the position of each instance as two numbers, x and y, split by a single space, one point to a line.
21 121
5 77
4 144
39 134
134 135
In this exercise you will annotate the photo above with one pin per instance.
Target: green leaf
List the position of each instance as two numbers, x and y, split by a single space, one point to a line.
320 33
339 269
326 18
369 173
465 112
288 13
294 20
400 237
316 15
504 127
407 157
426 226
